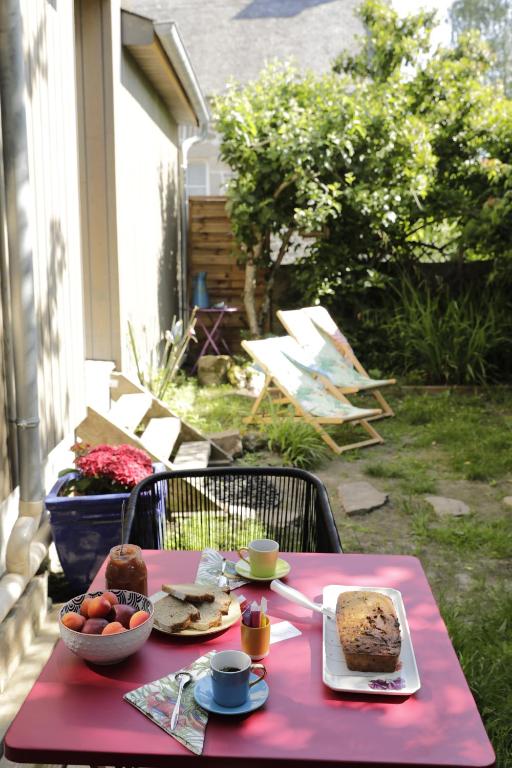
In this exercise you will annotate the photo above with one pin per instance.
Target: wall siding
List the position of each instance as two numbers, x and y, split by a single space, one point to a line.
53 167
148 213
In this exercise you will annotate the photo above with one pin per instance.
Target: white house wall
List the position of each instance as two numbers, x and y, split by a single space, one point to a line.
48 39
53 167
147 209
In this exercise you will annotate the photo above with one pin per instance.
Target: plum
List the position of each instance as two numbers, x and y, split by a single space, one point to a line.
123 614
94 626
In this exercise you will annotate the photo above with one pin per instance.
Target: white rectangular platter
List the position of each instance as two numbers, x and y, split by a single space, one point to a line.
338 676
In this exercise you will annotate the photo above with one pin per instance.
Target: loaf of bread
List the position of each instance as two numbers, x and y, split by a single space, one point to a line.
369 631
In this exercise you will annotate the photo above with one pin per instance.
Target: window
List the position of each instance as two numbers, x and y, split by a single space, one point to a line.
197 178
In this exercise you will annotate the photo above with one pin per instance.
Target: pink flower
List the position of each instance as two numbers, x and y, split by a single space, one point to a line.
110 468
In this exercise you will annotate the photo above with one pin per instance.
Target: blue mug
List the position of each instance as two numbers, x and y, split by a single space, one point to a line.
230 677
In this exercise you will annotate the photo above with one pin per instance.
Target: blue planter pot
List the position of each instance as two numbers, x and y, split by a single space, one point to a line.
85 528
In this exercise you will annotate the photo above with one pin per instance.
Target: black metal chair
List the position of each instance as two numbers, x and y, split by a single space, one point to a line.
226 508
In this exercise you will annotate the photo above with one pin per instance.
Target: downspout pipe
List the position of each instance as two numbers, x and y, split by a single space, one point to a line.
21 273
185 147
169 36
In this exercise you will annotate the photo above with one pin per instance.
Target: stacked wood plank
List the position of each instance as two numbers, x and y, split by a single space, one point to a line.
212 249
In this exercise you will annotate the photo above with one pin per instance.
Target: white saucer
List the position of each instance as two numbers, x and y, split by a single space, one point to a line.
258 695
244 569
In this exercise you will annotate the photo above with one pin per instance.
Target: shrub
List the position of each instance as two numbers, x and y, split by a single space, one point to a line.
448 340
297 442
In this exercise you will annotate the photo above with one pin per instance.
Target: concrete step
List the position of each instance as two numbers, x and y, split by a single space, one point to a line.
193 455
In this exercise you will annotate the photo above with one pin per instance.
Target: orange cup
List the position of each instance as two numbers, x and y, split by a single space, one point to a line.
256 640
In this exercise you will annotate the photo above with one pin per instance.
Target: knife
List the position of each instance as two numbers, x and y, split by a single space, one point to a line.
297 597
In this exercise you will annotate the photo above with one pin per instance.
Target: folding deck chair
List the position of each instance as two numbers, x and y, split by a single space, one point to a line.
290 383
331 353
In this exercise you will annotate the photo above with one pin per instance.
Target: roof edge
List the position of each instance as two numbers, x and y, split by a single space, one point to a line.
170 39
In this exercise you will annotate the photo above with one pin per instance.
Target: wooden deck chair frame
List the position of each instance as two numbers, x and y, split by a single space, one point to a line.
279 395
346 351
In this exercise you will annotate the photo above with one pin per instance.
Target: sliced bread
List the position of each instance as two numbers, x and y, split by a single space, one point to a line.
222 598
173 615
209 616
191 593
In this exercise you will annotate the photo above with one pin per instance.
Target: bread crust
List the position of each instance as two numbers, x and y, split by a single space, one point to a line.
191 593
369 631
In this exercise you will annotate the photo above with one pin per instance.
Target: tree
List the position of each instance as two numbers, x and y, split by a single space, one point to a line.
447 119
278 134
493 19
399 155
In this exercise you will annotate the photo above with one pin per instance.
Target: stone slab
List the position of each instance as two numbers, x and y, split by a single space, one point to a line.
212 370
448 507
229 440
360 498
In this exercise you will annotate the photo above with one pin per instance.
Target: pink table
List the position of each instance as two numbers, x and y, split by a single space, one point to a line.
75 712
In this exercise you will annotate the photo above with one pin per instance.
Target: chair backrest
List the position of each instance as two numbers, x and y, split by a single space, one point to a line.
275 356
226 508
310 330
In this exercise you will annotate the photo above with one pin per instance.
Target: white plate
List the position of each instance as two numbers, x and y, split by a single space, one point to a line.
231 617
338 676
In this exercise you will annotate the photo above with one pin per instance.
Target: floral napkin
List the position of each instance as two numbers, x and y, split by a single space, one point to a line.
209 570
156 700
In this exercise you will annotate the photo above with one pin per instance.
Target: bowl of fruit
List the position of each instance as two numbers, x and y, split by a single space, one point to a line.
106 627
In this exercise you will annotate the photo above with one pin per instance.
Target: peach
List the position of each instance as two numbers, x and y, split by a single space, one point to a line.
111 598
94 626
73 621
139 617
113 628
84 608
98 608
123 614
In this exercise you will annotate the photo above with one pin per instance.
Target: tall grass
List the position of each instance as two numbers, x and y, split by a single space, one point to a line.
445 340
297 443
481 631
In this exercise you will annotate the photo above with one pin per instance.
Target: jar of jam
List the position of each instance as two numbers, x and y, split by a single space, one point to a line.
126 569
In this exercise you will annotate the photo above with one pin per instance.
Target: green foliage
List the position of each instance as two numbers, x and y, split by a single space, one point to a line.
480 629
493 19
161 367
279 135
402 156
199 531
446 340
297 442
414 476
473 432
208 408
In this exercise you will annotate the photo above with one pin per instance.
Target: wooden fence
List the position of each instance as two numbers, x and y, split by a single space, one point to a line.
211 250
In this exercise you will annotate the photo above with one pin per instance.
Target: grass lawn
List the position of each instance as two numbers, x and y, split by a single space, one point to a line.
447 444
